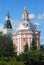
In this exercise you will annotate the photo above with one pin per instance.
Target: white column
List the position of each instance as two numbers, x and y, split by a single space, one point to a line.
29 40
20 44
18 47
28 43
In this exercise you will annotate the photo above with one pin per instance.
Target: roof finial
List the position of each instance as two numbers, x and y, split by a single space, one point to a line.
24 7
25 10
8 14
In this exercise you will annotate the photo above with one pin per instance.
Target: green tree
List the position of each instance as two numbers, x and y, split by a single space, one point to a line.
26 47
6 45
33 43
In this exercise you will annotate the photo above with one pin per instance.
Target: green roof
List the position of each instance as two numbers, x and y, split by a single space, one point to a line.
41 44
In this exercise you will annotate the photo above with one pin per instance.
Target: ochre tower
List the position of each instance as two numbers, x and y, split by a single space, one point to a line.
25 15
24 34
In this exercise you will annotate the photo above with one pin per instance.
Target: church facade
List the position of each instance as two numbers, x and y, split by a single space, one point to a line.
24 34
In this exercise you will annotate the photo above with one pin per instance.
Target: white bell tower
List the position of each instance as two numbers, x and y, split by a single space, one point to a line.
7 30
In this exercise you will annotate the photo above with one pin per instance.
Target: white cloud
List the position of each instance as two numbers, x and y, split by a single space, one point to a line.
41 16
42 37
32 16
1 27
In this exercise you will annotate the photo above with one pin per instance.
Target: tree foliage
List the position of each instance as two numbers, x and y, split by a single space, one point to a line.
33 44
6 45
26 47
35 57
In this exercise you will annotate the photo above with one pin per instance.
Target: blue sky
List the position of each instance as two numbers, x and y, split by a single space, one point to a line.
16 7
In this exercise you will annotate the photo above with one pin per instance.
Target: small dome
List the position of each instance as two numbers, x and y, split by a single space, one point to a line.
25 10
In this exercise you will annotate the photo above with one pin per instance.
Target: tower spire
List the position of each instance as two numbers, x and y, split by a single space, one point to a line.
25 14
8 16
8 22
24 7
25 10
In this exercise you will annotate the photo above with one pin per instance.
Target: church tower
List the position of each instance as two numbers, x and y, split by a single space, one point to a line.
7 30
25 15
25 33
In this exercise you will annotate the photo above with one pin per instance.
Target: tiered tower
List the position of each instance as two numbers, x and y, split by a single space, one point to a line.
25 15
7 30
